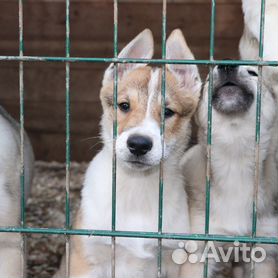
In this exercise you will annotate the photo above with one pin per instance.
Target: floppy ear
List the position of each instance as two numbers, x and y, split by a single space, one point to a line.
177 49
141 47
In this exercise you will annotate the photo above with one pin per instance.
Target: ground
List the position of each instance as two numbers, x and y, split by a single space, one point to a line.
45 209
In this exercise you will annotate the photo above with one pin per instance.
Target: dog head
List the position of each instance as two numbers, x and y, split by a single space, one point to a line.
234 93
139 144
234 89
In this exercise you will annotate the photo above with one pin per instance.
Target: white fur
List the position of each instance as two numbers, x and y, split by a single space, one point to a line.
137 200
233 166
153 89
10 252
249 44
250 40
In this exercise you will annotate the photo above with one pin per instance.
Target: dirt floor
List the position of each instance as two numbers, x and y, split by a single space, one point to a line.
46 208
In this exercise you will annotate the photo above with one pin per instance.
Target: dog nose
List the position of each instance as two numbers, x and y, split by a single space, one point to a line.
139 145
227 68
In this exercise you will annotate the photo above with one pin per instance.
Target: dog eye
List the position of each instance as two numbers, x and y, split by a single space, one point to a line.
124 106
168 113
252 73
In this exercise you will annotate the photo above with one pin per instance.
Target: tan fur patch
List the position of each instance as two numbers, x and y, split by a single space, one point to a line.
78 262
134 89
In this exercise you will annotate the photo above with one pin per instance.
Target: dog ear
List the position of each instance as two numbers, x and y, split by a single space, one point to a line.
141 47
177 49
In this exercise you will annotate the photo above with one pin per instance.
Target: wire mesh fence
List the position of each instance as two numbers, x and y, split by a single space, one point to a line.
67 230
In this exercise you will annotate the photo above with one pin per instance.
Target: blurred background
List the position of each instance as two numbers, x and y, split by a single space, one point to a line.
92 36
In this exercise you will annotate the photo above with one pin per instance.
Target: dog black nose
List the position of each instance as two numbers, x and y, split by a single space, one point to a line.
227 68
139 145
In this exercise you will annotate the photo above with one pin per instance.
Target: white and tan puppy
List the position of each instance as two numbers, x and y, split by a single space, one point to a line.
139 152
233 166
10 252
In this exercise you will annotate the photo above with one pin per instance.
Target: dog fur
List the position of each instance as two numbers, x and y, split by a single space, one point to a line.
232 167
249 44
10 249
137 177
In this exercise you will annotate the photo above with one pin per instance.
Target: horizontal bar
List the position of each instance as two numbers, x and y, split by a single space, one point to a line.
139 61
134 234
127 1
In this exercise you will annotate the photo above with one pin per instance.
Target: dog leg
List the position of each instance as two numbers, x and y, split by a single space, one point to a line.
79 266
10 256
266 269
265 265
189 270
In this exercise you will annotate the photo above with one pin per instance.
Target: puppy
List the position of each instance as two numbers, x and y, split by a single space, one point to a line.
249 43
10 250
232 168
139 153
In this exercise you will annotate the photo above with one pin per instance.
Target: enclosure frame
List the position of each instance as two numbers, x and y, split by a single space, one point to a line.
67 231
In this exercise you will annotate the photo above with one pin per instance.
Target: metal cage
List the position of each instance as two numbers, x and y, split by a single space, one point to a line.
113 233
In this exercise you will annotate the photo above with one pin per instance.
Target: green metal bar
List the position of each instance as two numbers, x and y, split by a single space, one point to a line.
258 130
68 145
139 61
258 121
262 25
115 135
209 127
162 130
162 122
68 157
115 122
21 96
22 176
209 122
134 234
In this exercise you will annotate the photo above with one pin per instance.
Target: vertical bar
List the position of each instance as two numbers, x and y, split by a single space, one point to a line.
209 126
115 134
68 157
162 129
258 121
258 130
21 95
22 177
